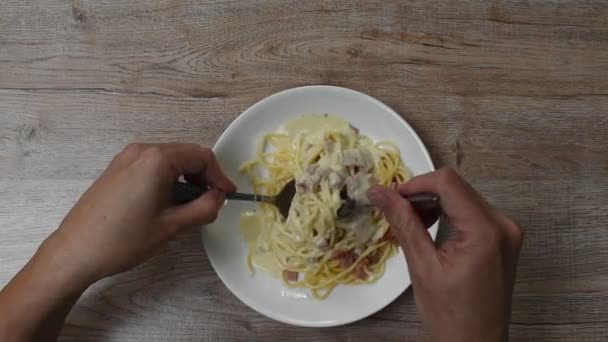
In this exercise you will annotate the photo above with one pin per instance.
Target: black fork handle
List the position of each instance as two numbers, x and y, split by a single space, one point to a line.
183 193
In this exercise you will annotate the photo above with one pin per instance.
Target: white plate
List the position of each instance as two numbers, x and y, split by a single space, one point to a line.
226 248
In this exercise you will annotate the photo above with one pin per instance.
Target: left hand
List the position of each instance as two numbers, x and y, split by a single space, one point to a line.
126 214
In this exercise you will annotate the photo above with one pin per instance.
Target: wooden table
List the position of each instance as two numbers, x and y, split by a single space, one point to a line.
512 94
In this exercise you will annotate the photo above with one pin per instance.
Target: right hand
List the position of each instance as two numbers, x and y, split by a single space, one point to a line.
462 288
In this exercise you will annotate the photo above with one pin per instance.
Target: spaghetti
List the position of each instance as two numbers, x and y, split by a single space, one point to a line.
331 161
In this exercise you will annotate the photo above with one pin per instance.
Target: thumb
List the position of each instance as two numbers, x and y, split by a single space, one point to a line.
416 243
200 211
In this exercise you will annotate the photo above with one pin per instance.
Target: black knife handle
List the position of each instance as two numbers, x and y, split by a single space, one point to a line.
427 206
183 193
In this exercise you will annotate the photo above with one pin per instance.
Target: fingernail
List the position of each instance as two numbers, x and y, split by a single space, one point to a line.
378 196
217 195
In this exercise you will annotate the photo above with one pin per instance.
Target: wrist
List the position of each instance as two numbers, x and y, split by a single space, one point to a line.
39 297
66 270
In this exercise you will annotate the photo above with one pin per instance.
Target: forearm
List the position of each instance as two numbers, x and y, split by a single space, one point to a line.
35 303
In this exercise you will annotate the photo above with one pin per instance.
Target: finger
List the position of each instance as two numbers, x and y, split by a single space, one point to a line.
511 229
202 210
458 199
405 224
133 150
127 155
196 161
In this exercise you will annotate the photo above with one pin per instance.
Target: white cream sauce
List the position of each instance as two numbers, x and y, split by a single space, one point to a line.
312 128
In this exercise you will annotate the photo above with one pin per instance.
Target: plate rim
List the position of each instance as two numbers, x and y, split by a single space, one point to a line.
227 132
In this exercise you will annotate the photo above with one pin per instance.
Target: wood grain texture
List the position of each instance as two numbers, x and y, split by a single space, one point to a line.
512 93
